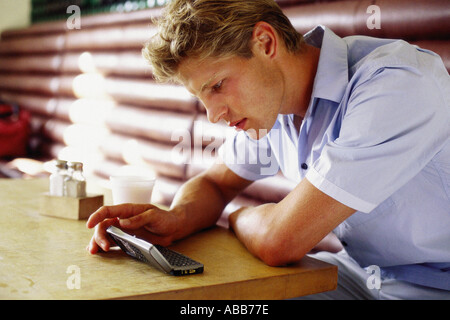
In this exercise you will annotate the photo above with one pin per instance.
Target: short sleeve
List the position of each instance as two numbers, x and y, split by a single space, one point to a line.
393 124
248 158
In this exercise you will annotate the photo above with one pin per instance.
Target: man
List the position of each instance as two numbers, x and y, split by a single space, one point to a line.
362 124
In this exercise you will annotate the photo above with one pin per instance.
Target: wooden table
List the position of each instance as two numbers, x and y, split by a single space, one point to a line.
45 258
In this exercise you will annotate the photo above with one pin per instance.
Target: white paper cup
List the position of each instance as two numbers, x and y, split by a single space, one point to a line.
131 189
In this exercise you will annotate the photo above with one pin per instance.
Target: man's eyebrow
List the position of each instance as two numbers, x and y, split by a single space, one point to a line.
207 83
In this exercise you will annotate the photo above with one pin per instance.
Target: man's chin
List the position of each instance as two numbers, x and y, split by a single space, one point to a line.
256 134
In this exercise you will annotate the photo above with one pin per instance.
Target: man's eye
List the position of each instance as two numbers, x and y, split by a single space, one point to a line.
217 86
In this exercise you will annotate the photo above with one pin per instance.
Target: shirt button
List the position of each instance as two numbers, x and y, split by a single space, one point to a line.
304 166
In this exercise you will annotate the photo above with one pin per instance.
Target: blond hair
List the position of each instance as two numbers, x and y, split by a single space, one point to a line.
212 28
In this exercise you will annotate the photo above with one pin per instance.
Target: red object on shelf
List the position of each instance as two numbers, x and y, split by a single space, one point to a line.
14 130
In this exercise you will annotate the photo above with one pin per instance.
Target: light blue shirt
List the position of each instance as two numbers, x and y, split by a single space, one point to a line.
375 138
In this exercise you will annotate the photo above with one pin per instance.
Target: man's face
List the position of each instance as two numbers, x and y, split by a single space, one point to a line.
246 93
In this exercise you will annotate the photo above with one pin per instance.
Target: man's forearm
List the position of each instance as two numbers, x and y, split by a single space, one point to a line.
198 204
284 232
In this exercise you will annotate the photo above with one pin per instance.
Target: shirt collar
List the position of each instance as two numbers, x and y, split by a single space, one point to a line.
332 71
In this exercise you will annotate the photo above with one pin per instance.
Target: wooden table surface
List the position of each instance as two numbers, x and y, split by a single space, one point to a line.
43 258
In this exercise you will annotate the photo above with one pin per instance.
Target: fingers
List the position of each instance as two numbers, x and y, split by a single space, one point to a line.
93 246
159 222
100 238
139 220
155 220
121 211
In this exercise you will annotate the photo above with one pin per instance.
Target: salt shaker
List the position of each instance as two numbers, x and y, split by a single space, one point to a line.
75 183
57 178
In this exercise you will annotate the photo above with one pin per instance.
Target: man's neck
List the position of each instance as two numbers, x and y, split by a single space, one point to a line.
300 71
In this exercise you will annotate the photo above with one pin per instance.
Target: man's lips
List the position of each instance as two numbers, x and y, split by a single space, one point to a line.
240 124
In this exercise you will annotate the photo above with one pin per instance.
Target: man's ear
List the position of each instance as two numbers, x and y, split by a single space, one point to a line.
265 39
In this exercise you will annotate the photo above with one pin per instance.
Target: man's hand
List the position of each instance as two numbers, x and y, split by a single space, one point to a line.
161 225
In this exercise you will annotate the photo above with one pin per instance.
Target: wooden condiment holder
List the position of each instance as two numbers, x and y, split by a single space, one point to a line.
68 207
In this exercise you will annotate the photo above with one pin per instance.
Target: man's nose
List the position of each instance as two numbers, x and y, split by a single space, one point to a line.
215 114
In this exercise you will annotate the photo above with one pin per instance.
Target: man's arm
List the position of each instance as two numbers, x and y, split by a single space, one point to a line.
197 205
284 232
201 200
